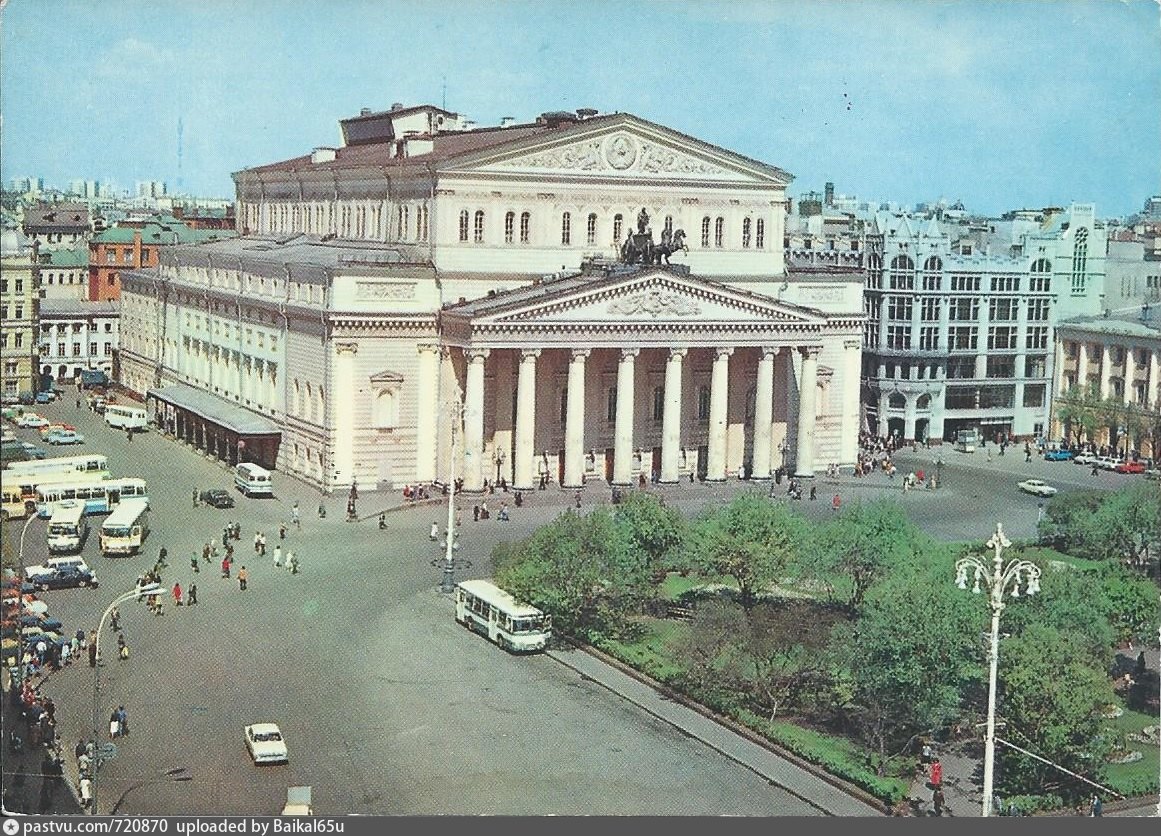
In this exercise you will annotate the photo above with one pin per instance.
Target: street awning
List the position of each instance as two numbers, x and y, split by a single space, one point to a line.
209 406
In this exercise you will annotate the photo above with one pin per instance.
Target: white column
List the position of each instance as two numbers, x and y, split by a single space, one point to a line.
671 419
719 391
852 387
804 462
1082 366
574 430
764 415
474 421
1106 369
426 408
623 440
1154 391
343 426
884 405
525 419
504 420
1130 376
1058 387
909 411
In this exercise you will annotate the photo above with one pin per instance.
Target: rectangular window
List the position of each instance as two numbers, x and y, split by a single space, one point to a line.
963 281
1002 310
932 281
929 338
60 349
92 348
1001 366
993 397
964 310
760 235
591 230
1035 366
110 256
127 257
611 405
19 339
1007 284
899 308
719 232
960 397
1001 337
929 310
566 229
1039 283
1037 337
1038 310
76 349
962 338
899 336
509 227
525 226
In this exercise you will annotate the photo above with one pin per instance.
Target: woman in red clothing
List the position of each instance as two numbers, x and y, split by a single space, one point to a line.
177 594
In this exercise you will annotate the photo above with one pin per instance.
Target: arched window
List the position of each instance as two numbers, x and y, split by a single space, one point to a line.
478 227
746 230
525 226
564 406
1041 278
760 236
719 232
924 402
509 227
591 229
703 403
897 401
902 273
464 225
566 229
297 407
1079 261
618 227
705 230
932 273
309 403
386 408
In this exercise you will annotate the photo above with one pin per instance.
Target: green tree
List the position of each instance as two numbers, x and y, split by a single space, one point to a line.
752 540
783 652
1052 692
862 544
653 528
904 664
1125 524
1066 520
1079 411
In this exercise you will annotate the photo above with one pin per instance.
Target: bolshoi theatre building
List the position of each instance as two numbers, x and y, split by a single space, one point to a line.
582 299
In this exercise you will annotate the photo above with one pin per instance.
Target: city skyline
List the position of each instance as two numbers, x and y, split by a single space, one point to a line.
1000 105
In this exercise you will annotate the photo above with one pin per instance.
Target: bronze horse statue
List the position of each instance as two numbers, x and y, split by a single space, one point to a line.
640 249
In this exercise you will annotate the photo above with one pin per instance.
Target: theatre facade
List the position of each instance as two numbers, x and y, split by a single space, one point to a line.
583 299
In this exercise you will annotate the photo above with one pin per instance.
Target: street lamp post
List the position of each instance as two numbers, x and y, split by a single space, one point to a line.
998 580
448 582
498 459
149 589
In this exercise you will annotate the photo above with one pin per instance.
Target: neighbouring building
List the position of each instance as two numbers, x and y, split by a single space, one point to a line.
18 304
58 226
76 335
64 274
131 245
960 318
503 293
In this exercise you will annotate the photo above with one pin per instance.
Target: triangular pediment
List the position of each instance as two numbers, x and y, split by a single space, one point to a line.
620 147
654 297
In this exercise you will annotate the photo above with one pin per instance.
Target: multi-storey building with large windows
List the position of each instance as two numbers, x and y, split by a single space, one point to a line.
502 292
76 335
960 319
18 307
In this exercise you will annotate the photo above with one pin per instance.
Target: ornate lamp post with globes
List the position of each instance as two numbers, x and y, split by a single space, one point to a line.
998 580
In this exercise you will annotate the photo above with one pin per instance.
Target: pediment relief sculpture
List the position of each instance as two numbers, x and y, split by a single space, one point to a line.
621 152
655 303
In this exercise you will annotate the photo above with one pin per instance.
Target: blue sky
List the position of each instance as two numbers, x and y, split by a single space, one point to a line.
997 103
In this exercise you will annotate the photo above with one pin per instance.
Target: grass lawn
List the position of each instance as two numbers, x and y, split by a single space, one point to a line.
1139 777
675 585
651 651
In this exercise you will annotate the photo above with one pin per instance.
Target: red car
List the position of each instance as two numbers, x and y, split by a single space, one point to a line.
1130 467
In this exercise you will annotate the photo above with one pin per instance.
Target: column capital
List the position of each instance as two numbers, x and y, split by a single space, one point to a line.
629 353
769 352
723 351
851 345
810 350
423 348
529 354
678 353
475 355
346 348
581 353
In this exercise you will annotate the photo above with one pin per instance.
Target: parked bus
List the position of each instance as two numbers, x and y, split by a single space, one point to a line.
126 528
126 417
966 441
100 497
253 480
13 504
67 527
30 484
483 607
86 463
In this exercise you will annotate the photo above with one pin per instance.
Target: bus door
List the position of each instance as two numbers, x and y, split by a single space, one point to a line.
114 495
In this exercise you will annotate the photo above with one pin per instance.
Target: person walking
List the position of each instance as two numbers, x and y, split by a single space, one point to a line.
177 594
576 497
262 545
243 576
292 563
122 647
1097 807
433 535
277 555
195 497
257 540
836 503
123 720
936 773
226 566
294 516
192 595
114 725
282 531
115 618
193 562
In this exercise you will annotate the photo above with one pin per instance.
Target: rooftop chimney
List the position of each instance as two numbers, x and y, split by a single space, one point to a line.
586 112
507 121
366 111
396 106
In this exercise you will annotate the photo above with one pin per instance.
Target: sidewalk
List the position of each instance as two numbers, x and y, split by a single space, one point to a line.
821 794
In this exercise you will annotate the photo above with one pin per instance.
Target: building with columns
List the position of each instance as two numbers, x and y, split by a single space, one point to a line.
960 318
431 286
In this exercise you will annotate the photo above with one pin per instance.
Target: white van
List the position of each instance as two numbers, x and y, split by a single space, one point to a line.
253 480
67 527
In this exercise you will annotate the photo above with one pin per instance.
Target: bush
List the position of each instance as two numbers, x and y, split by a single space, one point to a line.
1026 805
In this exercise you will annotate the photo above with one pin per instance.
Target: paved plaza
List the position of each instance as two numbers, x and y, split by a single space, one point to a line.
388 706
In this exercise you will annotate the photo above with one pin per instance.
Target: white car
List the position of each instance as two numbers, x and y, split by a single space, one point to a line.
264 740
65 437
1036 488
1108 462
1083 458
31 419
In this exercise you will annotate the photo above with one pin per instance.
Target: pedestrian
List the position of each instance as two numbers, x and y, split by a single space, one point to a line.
577 498
1097 808
225 535
243 576
192 595
115 618
114 724
434 533
836 503
294 518
282 531
936 773
292 563
65 650
322 513
206 552
129 434
93 655
193 562
195 497
262 545
475 513
278 555
226 566
177 594
122 647
123 719
937 801
813 492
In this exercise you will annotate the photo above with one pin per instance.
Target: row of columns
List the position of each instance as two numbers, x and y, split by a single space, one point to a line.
623 444
1152 378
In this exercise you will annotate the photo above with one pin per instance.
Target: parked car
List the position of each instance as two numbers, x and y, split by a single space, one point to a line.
1057 455
31 419
1153 473
265 743
45 397
56 425
66 577
1036 488
65 437
1108 462
1083 458
218 498
1130 467
32 451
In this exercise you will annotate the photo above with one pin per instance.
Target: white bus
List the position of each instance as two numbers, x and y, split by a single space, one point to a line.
30 485
126 528
253 480
966 441
483 607
100 497
67 527
86 463
126 417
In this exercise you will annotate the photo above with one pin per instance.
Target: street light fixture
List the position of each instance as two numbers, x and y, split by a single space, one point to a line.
137 592
498 459
448 582
998 580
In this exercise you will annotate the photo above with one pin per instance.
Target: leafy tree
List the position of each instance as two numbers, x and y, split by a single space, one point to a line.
906 660
1066 519
1070 601
783 652
1051 695
1126 524
861 545
752 540
709 651
655 530
1079 411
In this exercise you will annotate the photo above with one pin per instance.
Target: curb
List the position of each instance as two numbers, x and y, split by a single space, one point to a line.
843 786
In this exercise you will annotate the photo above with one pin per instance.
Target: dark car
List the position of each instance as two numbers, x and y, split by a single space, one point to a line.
218 498
66 577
